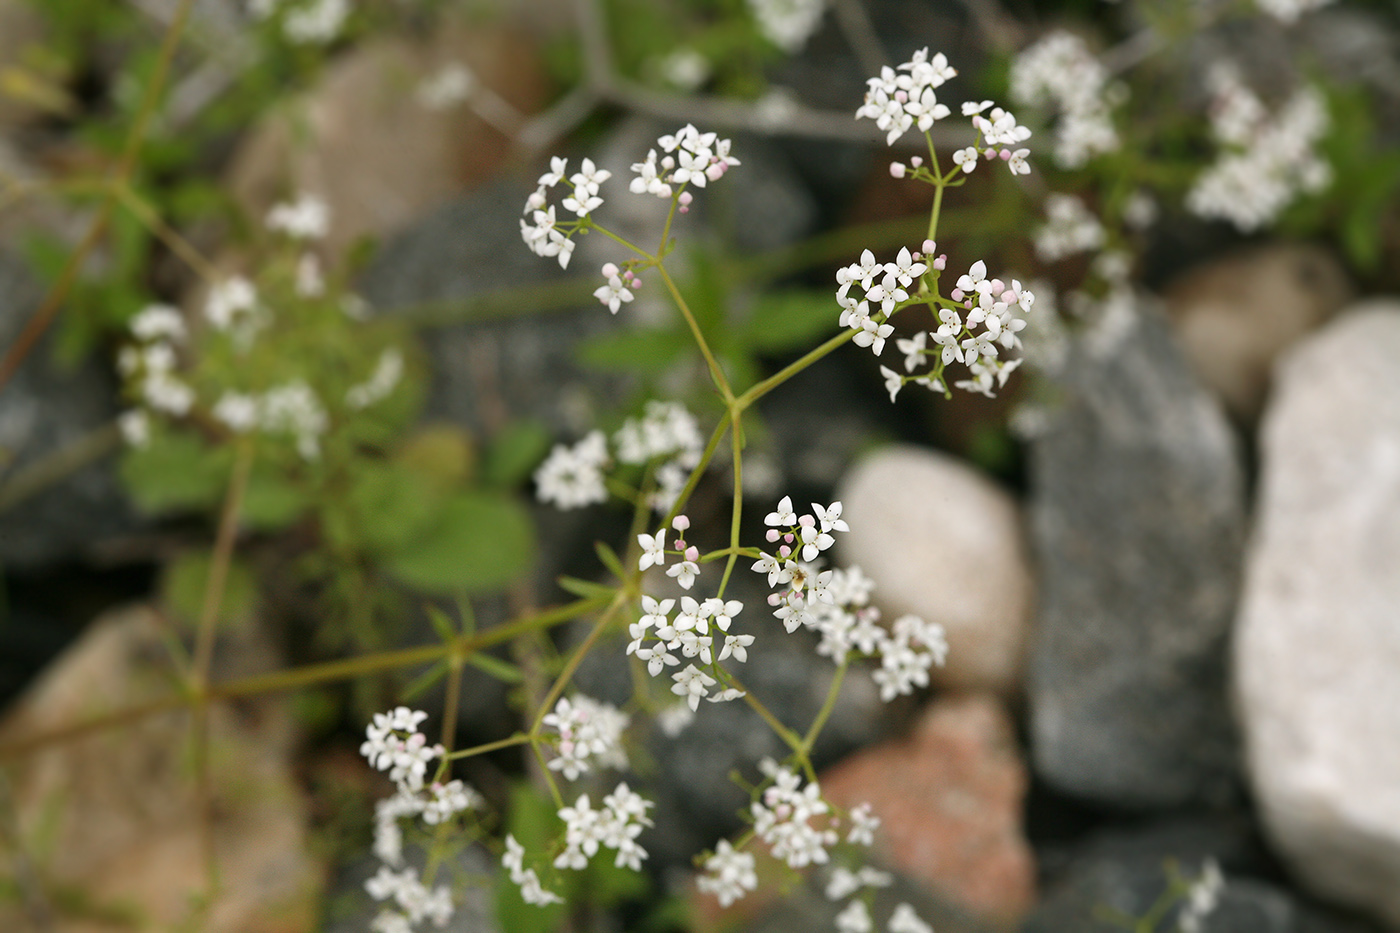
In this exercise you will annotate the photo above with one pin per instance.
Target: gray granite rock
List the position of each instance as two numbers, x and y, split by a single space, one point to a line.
49 407
1137 523
1317 647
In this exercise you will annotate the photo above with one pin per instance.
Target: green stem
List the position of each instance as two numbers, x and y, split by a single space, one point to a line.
760 389
825 713
716 373
520 738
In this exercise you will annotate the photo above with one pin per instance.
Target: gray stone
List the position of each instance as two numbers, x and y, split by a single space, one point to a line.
943 542
1317 647
1129 871
1137 522
46 408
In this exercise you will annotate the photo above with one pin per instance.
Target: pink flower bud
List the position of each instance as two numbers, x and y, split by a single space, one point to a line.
774 599
957 294
772 535
902 96
610 269
897 169
916 161
685 198
997 287
680 523
989 153
692 554
928 247
784 551
941 262
806 521
1005 154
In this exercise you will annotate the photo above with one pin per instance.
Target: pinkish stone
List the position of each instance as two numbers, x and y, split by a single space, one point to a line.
949 796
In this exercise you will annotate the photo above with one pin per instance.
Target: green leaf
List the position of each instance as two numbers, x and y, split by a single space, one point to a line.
175 471
424 680
646 352
479 543
516 451
789 320
186 578
610 559
503 671
445 629
393 505
272 501
585 589
534 824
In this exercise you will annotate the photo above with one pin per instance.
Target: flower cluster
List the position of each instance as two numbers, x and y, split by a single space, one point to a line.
151 368
848 624
729 874
988 321
997 129
291 409
1266 162
590 733
415 902
572 476
615 825
306 218
450 85
1059 72
805 536
394 744
783 816
883 289
313 22
897 102
549 236
788 24
656 635
1202 898
689 158
387 373
1070 228
531 891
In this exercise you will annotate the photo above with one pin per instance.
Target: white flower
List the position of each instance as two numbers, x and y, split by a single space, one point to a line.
729 874
238 411
590 733
159 322
571 477
135 426
893 381
614 294
306 218
653 550
783 517
788 24
450 85
1017 163
685 573
864 822
692 684
854 919
905 920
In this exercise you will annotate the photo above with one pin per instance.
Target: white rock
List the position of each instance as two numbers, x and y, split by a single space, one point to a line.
1317 646
943 542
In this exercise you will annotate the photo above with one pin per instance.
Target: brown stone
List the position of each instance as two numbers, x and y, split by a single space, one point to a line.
949 797
1234 317
361 140
108 823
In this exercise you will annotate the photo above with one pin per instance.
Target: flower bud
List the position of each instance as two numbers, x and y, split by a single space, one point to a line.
897 169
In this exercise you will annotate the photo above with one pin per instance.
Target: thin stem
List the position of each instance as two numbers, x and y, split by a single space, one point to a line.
716 373
176 243
219 564
825 713
574 661
42 318
298 678
617 239
520 738
738 513
694 479
760 389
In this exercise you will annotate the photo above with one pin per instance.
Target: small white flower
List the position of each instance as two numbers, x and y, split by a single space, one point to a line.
692 684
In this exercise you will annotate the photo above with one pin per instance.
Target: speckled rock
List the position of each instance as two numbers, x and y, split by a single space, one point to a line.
1138 523
950 798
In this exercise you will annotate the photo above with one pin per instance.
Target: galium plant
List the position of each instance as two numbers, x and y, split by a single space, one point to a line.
693 646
